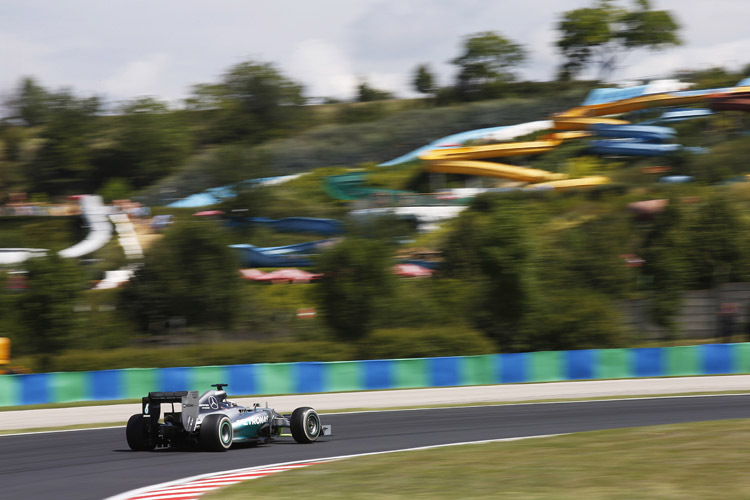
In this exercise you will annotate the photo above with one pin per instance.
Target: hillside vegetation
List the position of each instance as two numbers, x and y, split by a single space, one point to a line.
519 271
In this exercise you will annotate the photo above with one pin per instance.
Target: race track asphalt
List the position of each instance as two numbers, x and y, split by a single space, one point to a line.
95 464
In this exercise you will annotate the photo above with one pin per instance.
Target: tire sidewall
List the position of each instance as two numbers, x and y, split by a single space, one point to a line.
312 414
299 425
216 433
136 434
225 438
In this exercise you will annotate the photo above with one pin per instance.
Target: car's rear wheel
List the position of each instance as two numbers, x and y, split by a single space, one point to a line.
216 433
137 434
305 425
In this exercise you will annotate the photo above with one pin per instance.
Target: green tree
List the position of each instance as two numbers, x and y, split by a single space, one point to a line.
494 250
367 93
150 141
356 280
717 242
488 60
115 189
46 321
664 265
603 34
536 291
424 80
63 163
588 255
30 103
253 102
191 274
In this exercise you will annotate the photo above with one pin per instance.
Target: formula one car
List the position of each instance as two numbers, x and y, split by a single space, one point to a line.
211 422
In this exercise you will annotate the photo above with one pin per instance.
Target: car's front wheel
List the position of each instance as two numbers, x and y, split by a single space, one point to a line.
305 425
216 433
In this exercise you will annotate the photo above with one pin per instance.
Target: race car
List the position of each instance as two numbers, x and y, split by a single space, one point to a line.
211 422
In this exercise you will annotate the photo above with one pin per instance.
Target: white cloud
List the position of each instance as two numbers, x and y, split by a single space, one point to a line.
730 55
140 77
20 58
162 48
324 68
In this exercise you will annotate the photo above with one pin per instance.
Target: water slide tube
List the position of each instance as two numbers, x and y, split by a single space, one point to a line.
739 101
633 140
292 224
215 195
497 133
96 218
594 117
298 255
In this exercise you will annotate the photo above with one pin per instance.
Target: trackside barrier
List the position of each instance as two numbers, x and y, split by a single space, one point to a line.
315 377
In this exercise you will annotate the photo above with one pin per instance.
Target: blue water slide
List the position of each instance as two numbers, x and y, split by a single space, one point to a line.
292 224
633 140
625 147
298 255
648 133
607 95
215 195
677 115
448 141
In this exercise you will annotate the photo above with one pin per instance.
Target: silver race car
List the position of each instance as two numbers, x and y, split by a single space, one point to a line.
213 423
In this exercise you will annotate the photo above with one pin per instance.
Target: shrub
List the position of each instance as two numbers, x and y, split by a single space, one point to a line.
425 342
218 354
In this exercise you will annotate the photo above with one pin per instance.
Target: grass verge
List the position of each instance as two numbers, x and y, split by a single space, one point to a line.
704 460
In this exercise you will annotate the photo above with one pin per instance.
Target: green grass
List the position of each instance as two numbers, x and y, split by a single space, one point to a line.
52 233
705 460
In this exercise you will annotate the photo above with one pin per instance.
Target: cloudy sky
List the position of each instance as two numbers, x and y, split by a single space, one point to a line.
120 49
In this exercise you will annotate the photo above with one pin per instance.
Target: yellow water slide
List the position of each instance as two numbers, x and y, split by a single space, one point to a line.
464 160
571 124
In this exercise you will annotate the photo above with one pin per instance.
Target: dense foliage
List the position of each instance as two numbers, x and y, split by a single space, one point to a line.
523 271
189 277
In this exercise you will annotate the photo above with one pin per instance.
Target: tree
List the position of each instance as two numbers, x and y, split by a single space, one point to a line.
488 60
63 163
254 102
493 249
664 264
191 274
531 294
716 252
150 141
46 319
366 93
356 280
603 34
424 80
30 103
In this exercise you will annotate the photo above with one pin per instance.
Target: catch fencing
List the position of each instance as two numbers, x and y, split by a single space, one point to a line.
341 376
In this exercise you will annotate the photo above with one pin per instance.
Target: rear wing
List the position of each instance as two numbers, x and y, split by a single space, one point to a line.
151 406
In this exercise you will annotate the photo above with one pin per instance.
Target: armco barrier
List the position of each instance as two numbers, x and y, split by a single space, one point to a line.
298 378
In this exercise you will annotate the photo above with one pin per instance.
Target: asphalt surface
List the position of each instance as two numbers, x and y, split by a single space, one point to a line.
408 398
96 464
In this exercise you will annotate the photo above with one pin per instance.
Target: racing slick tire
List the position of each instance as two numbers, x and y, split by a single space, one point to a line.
305 425
137 434
216 433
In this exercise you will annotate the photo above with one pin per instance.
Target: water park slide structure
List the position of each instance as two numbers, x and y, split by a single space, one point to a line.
298 255
739 101
315 225
95 217
593 118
